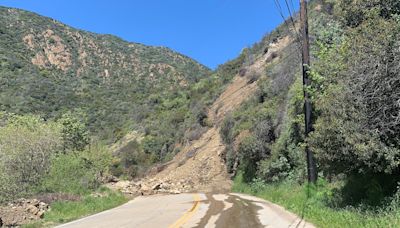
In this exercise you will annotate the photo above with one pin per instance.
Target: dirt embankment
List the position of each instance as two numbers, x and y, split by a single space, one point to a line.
199 166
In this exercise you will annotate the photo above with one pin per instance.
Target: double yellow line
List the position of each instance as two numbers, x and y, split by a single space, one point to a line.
189 214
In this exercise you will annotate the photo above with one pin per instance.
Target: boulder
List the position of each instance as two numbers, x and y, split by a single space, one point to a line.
156 186
32 209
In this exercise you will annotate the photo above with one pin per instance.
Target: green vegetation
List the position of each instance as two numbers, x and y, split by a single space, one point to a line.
40 157
355 94
36 158
27 145
100 88
113 85
59 113
64 211
313 203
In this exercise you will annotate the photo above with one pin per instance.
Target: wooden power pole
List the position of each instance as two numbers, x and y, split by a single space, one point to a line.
311 167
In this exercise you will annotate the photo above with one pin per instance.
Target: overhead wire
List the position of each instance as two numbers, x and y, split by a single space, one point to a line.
281 13
291 19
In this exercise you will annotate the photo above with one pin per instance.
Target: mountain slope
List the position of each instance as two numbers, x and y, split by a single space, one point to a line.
200 164
48 68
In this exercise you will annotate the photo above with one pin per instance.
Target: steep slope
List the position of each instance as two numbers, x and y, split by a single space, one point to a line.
200 165
48 68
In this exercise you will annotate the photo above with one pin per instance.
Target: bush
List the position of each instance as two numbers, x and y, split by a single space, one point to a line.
226 130
200 113
265 131
195 132
131 160
27 145
74 132
273 170
250 152
252 77
78 172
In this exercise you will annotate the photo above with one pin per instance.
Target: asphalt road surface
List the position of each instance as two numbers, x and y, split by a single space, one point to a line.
193 210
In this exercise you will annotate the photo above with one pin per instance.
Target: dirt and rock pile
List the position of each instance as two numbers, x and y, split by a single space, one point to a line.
200 167
22 211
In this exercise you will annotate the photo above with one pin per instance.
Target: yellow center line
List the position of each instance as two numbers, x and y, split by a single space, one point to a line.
189 214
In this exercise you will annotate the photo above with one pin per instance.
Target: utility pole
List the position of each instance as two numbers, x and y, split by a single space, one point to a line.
311 166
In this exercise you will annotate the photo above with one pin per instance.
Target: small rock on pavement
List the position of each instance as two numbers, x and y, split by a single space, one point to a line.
175 192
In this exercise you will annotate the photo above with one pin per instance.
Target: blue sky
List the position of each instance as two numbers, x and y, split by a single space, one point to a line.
210 31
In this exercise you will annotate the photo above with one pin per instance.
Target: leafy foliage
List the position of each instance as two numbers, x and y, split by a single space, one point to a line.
354 91
78 172
74 133
27 145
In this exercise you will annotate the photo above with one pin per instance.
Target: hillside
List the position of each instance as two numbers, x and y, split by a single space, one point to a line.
93 109
88 91
48 68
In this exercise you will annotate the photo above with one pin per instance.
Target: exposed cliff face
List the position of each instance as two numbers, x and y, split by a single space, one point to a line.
49 44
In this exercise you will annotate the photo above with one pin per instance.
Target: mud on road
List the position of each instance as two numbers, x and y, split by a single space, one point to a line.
194 210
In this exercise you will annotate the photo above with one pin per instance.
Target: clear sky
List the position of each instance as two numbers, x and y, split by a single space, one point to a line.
210 31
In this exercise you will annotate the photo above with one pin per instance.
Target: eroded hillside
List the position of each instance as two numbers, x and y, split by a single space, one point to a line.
200 165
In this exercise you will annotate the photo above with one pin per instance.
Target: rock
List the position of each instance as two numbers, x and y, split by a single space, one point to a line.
145 188
1 222
43 206
22 211
40 214
122 184
35 202
156 186
96 195
32 209
175 191
166 186
113 179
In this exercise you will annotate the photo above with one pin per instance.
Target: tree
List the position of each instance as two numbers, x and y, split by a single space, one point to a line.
74 133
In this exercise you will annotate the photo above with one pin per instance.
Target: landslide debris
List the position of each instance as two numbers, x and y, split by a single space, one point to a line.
200 166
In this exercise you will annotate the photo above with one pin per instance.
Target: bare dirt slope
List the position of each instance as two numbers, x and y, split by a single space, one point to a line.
199 166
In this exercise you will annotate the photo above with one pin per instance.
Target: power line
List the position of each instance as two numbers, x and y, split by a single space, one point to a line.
292 4
291 19
280 10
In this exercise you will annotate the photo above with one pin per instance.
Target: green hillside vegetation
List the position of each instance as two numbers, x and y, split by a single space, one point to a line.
111 86
71 94
67 95
48 68
355 93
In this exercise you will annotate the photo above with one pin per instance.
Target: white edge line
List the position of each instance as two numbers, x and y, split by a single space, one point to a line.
95 215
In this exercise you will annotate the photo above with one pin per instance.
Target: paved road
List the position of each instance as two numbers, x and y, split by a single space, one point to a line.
193 210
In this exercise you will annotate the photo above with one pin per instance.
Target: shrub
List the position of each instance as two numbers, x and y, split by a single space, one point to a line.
195 132
74 132
131 160
250 152
273 170
265 131
226 130
27 145
78 172
252 76
200 113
